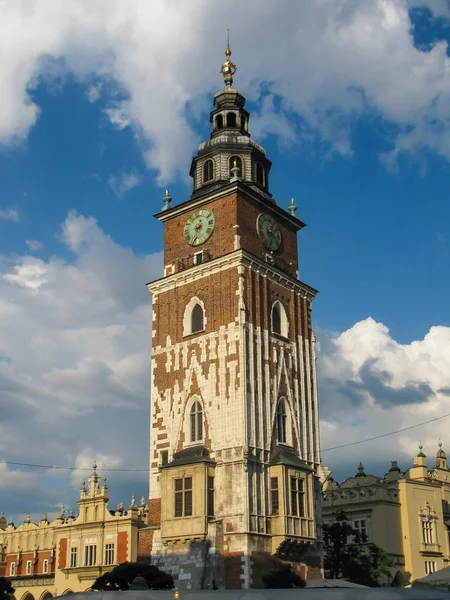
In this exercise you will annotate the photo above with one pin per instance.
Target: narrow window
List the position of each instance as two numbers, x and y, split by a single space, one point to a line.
210 506
198 258
90 555
219 122
243 122
196 422
183 497
28 571
259 174
73 557
12 569
109 554
208 170
281 422
45 566
297 497
274 499
235 160
197 320
231 120
164 458
276 319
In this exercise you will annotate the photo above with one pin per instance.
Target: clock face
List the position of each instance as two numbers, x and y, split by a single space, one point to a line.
268 231
199 227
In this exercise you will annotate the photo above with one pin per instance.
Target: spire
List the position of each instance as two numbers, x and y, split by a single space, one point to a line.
421 454
360 472
228 69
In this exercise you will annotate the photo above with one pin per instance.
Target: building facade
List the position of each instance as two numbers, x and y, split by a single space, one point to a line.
407 513
234 448
68 554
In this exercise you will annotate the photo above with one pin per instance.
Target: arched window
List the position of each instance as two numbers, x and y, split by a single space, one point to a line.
196 422
208 170
259 174
219 122
231 119
276 319
243 122
280 324
238 161
281 422
197 320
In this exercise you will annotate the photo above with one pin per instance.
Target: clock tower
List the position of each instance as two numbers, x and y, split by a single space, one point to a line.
234 444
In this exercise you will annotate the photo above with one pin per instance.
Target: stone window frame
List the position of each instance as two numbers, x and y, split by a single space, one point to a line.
240 164
12 569
288 426
73 557
204 166
187 421
187 317
185 492
28 568
45 565
284 321
110 553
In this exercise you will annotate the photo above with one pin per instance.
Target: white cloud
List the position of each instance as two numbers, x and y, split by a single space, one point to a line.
34 245
93 92
369 384
74 360
122 182
337 61
9 214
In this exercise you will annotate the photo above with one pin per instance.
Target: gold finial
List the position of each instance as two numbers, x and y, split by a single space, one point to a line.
228 68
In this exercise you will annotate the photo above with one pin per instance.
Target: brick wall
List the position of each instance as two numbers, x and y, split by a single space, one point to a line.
122 547
62 554
145 543
154 512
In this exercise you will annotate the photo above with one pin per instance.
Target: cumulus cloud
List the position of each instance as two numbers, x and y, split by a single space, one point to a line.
9 214
370 384
74 360
338 61
122 182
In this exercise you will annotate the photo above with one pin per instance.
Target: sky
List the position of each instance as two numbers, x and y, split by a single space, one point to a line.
102 105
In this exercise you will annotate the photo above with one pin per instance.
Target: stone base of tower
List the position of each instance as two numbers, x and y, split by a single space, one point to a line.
220 561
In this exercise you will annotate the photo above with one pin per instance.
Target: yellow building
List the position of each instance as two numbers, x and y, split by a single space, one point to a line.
68 554
405 513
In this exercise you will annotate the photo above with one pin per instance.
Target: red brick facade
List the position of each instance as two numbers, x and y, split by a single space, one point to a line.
122 547
62 553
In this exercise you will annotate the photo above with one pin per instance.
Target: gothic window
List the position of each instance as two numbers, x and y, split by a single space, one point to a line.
208 170
197 321
219 122
183 497
259 174
236 160
280 324
274 498
297 497
281 422
276 319
196 422
231 119
194 319
210 501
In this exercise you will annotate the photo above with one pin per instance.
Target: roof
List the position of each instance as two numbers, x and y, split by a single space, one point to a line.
284 455
193 454
441 577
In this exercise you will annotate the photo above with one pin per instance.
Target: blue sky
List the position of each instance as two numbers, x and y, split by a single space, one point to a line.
97 120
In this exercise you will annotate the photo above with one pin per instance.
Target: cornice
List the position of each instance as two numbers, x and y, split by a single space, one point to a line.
229 261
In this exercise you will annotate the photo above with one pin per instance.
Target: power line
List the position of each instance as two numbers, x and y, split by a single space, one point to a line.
113 470
382 435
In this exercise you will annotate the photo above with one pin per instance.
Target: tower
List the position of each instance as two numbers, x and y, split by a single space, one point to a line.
234 443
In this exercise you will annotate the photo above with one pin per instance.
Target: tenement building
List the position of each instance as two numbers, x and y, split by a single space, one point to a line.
68 554
407 513
234 451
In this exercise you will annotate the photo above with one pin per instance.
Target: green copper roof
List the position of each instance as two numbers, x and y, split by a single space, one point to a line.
194 454
284 455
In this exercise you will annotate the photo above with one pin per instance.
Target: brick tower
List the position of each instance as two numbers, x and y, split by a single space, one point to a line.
234 416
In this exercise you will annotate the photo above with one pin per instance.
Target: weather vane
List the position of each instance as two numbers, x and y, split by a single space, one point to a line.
228 68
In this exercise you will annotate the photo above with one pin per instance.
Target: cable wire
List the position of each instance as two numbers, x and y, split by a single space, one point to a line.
113 470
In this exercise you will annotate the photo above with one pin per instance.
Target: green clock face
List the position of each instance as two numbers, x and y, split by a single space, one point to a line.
268 231
199 227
